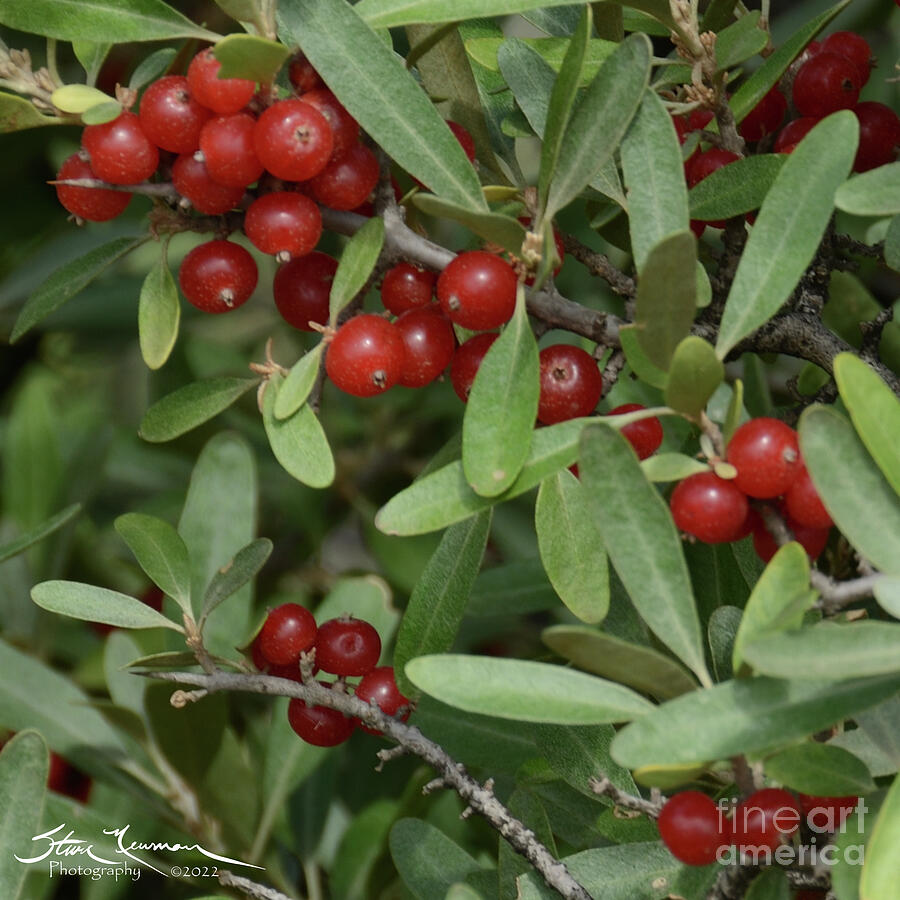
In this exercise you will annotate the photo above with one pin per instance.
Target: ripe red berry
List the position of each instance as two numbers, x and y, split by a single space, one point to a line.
765 118
293 140
283 222
879 135
466 141
289 630
477 290
406 287
698 119
192 180
825 84
766 455
226 143
571 384
690 825
764 820
366 356
291 671
302 287
64 778
302 75
704 164
217 276
854 47
347 180
826 814
803 503
171 117
93 204
812 540
793 133
344 128
222 95
708 507
319 725
645 436
466 361
347 646
428 345
120 152
380 687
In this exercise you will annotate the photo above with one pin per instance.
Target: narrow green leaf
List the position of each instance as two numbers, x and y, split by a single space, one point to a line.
789 227
95 604
250 56
495 447
642 668
241 10
875 412
820 770
853 489
735 189
240 569
638 360
299 443
373 84
552 50
91 55
667 297
874 193
571 547
653 170
357 262
76 98
887 593
298 383
30 538
694 375
438 602
101 113
514 588
642 543
881 873
161 553
740 40
19 114
70 279
671 467
427 860
524 690
151 67
892 244
721 633
743 716
117 21
159 313
190 406
506 231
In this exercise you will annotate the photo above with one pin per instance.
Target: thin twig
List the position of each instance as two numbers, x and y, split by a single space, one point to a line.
605 788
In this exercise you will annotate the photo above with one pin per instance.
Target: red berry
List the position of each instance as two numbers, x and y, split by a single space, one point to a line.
289 630
571 384
171 117
765 117
283 222
93 204
302 75
222 95
704 164
406 287
826 814
302 287
380 687
466 141
217 276
764 820
690 825
227 146
366 356
347 646
466 361
645 436
64 778
428 345
477 290
319 725
825 84
879 135
347 180
766 455
803 503
344 128
293 140
854 47
793 133
708 507
681 128
698 119
120 152
192 180
813 540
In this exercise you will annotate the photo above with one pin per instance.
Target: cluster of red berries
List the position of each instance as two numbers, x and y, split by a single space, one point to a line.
696 830
766 458
345 647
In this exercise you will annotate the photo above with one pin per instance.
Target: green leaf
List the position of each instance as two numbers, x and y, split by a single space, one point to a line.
116 21
241 10
571 547
671 467
298 383
694 375
514 588
600 120
666 297
881 873
151 67
524 690
76 98
250 56
740 41
495 447
820 770
102 113
552 50
506 231
159 313
644 669
427 860
721 632
653 170
372 83
30 538
735 189
855 493
789 227
874 193
887 593
770 884
24 764
239 570
638 360
299 443
190 406
892 244
70 279
96 604
161 553
91 55
361 846
19 114
357 262
743 716
875 412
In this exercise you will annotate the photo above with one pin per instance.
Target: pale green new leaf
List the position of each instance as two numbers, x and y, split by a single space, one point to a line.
298 383
881 873
694 375
250 56
159 313
357 262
